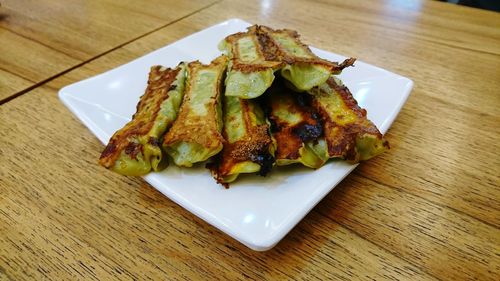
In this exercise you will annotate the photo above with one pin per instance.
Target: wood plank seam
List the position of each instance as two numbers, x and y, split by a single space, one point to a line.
22 92
15 74
38 42
113 3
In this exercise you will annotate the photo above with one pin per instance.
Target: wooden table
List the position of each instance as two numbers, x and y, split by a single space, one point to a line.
428 209
42 39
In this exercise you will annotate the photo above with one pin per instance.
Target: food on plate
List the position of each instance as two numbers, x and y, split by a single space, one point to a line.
348 132
256 54
253 60
249 147
135 149
302 67
196 134
268 101
295 127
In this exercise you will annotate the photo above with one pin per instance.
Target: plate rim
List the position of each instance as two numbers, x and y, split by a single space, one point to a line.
290 221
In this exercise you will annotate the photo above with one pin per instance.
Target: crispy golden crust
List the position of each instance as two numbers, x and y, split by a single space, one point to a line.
159 83
254 146
292 35
269 48
271 45
291 137
255 67
266 50
194 128
271 54
341 139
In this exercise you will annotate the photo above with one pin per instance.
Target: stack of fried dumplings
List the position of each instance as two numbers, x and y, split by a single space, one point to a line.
266 101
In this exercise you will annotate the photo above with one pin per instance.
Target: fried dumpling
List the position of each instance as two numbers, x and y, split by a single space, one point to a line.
196 134
295 127
302 68
347 131
256 54
248 147
135 149
252 64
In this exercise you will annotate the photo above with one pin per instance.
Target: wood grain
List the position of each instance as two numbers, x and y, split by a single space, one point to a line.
468 122
428 209
10 83
23 58
132 224
46 37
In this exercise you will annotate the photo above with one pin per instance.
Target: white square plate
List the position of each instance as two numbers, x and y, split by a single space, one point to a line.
256 211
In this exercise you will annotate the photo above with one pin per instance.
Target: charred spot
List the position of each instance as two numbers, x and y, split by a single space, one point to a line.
343 143
351 154
132 149
172 87
268 46
293 155
303 100
265 160
109 150
267 109
248 68
386 144
154 141
213 166
263 102
308 132
346 63
316 116
273 125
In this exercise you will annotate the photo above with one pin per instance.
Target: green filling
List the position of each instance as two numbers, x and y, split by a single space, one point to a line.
202 91
369 146
248 85
186 153
166 116
286 111
151 156
235 129
204 87
234 124
291 46
304 76
320 149
245 167
224 47
131 167
247 49
311 155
